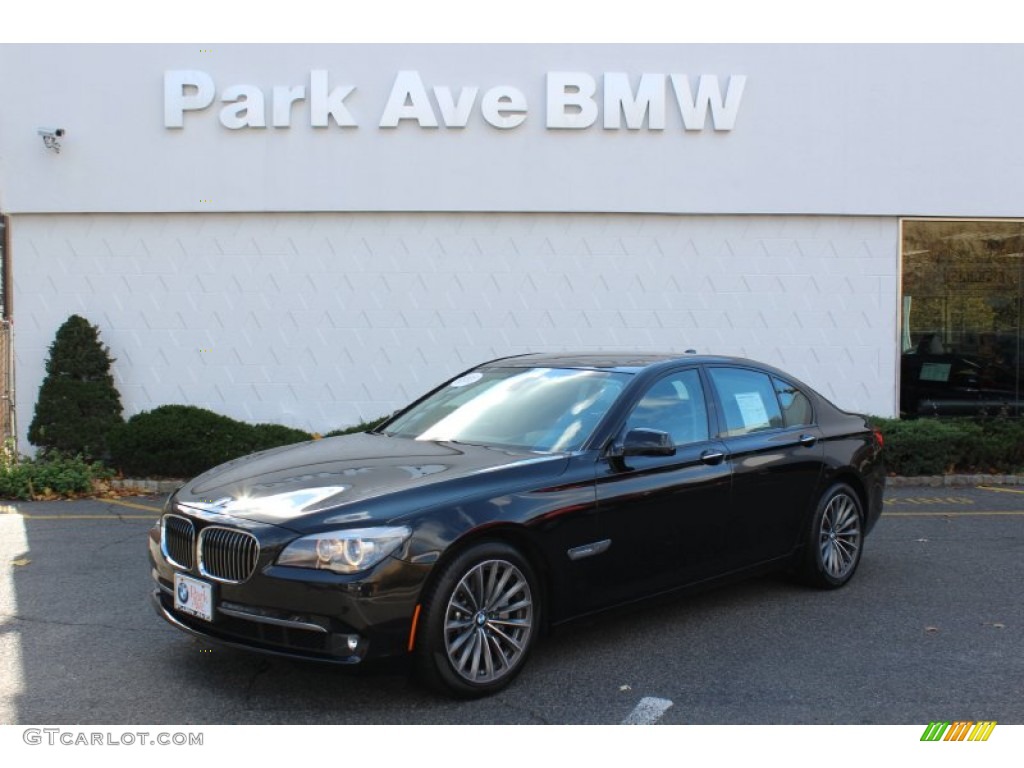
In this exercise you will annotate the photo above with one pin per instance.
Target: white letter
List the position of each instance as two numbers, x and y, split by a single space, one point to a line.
175 100
323 105
694 111
284 97
619 100
455 114
408 101
580 97
504 106
246 108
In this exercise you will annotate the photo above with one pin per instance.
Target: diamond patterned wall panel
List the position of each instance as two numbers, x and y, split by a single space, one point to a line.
323 320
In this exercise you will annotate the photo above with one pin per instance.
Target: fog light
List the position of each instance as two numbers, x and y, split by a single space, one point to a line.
352 641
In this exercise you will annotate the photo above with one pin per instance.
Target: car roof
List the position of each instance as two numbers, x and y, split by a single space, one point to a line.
635 362
630 362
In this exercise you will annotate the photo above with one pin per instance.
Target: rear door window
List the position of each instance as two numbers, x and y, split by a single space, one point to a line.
748 399
796 406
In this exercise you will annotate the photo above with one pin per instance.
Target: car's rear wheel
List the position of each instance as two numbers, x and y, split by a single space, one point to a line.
834 540
480 620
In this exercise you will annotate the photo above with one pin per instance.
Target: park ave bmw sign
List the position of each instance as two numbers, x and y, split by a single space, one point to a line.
573 100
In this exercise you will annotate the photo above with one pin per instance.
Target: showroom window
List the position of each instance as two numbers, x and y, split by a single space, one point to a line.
963 291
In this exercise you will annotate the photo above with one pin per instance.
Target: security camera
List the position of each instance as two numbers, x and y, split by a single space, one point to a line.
50 137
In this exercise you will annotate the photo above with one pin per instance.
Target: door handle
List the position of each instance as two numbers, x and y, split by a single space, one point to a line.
807 440
712 457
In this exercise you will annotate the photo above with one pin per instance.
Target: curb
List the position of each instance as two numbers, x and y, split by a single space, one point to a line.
146 486
947 481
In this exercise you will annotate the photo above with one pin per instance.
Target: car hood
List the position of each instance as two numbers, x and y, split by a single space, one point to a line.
355 480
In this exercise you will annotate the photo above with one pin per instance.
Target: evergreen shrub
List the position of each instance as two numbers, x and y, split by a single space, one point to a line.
78 403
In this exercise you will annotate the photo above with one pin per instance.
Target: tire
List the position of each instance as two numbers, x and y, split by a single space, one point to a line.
834 540
481 618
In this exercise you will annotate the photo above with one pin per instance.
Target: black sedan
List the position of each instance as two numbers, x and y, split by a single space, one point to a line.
515 497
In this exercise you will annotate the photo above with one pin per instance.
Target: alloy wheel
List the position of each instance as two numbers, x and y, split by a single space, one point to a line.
840 536
488 621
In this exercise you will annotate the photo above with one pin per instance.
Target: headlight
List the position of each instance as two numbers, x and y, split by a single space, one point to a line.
344 551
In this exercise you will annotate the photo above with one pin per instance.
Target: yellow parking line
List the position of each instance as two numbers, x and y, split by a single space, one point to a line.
132 505
11 509
28 516
998 490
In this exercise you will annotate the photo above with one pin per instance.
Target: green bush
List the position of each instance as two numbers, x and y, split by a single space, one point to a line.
933 446
183 441
363 427
78 403
49 477
998 446
266 436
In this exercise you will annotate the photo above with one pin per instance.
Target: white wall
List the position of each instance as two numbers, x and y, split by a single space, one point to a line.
892 130
322 320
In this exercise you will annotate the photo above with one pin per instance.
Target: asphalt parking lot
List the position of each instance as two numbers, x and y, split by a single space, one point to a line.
931 628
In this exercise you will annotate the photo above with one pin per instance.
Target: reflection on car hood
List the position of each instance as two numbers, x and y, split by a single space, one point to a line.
341 480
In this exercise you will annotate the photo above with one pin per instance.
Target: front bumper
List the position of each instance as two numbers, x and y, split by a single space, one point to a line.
300 613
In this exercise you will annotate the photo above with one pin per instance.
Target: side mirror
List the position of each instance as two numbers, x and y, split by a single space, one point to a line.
648 442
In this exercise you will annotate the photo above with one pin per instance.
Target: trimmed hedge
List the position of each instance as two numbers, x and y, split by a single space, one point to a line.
365 426
183 441
931 446
265 436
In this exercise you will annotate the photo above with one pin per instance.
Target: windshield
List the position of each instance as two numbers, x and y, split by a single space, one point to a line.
539 409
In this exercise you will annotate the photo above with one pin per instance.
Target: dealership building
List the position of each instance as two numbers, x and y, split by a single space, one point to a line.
313 235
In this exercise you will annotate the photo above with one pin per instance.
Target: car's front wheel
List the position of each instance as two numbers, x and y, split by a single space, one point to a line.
480 620
834 540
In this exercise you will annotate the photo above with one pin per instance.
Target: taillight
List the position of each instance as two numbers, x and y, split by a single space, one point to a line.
879 439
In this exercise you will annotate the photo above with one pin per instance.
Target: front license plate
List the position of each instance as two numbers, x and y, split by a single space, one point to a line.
193 597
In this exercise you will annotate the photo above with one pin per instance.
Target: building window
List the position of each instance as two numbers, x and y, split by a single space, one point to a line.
963 293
